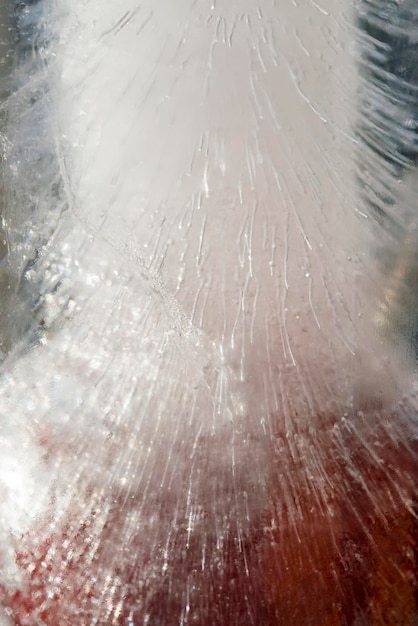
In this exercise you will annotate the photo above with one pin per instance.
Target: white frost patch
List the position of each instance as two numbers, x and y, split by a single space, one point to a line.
24 485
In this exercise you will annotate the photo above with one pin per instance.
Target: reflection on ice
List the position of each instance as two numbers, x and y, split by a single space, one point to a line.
207 396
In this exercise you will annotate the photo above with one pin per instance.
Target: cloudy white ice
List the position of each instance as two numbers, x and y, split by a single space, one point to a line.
208 294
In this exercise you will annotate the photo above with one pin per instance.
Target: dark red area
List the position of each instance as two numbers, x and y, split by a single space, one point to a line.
347 556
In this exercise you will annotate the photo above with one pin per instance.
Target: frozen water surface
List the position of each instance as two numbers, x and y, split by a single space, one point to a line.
208 315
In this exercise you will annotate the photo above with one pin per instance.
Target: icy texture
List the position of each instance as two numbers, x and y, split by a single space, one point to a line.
207 396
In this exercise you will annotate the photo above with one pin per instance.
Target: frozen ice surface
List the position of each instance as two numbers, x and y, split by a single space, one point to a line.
208 384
